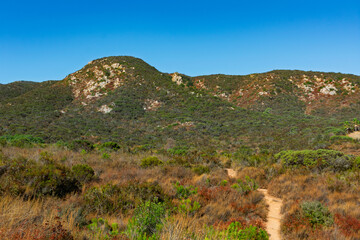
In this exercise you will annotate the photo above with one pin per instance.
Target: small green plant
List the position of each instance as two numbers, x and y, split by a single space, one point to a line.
147 220
317 213
200 169
183 191
245 186
100 229
180 151
236 231
188 207
110 145
223 183
150 162
105 155
339 138
3 142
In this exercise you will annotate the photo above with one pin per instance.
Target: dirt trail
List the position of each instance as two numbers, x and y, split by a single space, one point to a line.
355 135
274 215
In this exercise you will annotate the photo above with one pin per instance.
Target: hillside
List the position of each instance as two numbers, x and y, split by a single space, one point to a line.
15 89
120 150
126 100
286 91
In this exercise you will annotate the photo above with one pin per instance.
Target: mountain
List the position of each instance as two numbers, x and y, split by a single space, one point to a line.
126 100
313 93
15 89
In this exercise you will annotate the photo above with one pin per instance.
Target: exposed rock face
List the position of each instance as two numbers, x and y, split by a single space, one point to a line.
152 105
176 78
311 89
98 78
105 109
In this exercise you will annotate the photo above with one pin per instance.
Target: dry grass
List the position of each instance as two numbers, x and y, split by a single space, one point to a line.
33 219
40 218
340 193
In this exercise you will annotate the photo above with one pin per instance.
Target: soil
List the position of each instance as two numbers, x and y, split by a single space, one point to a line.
355 135
274 215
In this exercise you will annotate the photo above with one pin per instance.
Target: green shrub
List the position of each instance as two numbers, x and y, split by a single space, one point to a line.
3 142
78 145
317 213
19 140
183 191
336 131
245 186
181 150
54 180
110 145
100 229
105 156
339 138
111 198
147 221
188 207
236 231
318 159
83 172
223 183
36 179
150 162
357 162
200 169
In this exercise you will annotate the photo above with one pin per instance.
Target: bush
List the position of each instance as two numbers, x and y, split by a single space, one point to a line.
188 207
101 229
236 231
20 140
35 180
83 172
110 145
318 159
150 162
183 191
200 169
3 142
54 180
78 145
317 213
246 186
111 198
340 139
105 155
180 151
147 220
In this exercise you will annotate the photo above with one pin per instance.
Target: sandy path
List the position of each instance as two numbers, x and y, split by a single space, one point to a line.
274 215
355 135
231 172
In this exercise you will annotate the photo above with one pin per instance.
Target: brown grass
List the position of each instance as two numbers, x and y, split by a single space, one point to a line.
340 193
40 218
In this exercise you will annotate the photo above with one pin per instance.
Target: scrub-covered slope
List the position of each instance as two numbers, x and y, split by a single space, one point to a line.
126 100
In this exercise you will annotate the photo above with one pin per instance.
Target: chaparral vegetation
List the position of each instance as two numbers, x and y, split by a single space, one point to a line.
119 150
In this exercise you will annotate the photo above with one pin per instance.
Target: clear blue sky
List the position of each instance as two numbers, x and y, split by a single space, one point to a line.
43 40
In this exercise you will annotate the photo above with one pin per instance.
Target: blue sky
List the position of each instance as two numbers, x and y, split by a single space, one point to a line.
46 40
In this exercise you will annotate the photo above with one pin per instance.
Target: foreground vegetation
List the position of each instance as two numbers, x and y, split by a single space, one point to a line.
105 192
119 150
